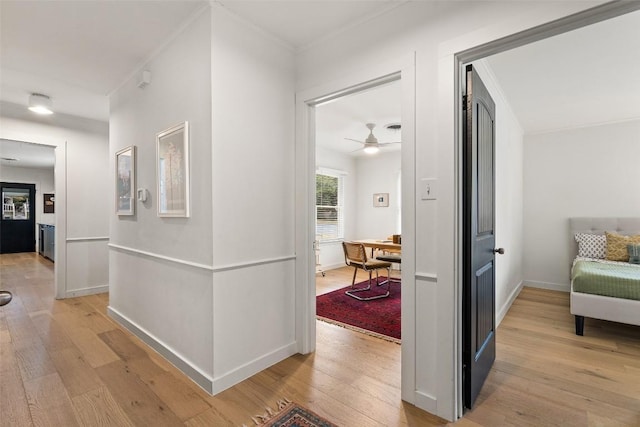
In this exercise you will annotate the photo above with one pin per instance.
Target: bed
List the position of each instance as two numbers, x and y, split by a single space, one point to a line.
622 281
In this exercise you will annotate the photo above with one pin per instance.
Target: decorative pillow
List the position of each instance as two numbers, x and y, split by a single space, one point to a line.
617 246
634 254
591 245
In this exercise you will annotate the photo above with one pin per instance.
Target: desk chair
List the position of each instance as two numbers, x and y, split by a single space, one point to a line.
394 259
356 256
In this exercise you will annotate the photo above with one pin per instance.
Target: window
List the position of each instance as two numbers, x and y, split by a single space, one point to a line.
329 207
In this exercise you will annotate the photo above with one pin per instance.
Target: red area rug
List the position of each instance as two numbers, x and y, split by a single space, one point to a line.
379 317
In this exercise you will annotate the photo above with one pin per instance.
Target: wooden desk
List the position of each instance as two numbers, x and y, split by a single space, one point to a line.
386 245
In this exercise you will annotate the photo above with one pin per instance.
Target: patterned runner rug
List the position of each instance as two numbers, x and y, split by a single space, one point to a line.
290 414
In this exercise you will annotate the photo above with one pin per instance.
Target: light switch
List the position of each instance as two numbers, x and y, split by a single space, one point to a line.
429 188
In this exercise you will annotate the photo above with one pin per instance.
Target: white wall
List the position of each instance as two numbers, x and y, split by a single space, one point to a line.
44 182
82 193
364 177
253 213
377 174
509 198
160 268
590 171
435 32
218 287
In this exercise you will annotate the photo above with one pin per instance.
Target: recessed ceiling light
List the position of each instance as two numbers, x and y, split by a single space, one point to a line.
40 104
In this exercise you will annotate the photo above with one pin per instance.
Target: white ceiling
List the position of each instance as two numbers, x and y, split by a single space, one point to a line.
79 51
76 52
301 23
347 118
26 154
583 77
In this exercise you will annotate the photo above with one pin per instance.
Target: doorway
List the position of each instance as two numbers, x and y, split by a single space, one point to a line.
401 71
358 161
18 224
480 55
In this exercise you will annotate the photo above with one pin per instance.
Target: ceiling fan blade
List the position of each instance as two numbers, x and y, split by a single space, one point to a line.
390 143
355 140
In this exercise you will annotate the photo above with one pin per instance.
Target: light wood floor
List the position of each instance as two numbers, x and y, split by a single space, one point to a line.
65 363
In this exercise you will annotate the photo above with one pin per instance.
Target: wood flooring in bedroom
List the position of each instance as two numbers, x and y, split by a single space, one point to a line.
66 363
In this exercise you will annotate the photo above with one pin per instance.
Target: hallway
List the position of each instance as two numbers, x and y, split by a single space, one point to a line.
64 362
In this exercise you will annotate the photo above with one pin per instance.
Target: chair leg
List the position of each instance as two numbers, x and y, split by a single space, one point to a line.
378 282
352 292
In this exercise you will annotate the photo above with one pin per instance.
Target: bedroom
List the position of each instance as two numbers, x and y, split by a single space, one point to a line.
580 139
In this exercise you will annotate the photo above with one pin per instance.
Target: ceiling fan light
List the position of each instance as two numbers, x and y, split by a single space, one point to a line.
40 104
371 150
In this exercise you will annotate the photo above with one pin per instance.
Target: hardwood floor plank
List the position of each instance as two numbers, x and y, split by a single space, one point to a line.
14 407
137 400
122 345
76 374
34 361
49 403
51 333
94 350
98 408
182 399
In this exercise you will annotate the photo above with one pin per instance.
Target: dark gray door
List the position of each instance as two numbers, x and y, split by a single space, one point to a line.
479 345
18 223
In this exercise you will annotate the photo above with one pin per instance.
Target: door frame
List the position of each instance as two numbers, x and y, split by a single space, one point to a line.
403 69
453 59
59 177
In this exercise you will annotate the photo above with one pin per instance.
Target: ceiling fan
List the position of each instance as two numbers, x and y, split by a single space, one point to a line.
371 144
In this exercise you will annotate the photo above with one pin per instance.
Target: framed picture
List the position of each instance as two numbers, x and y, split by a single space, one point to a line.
381 200
126 180
173 171
49 203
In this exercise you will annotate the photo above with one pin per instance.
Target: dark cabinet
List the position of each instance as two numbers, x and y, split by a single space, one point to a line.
47 243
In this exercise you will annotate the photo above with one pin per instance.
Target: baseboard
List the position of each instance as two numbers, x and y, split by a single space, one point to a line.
507 305
243 372
87 291
546 285
196 375
426 402
332 266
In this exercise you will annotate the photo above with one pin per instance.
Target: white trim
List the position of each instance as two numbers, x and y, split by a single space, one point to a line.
162 257
330 172
215 269
332 266
428 277
245 371
352 24
426 401
547 285
87 239
254 263
219 4
583 126
177 360
508 303
87 291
